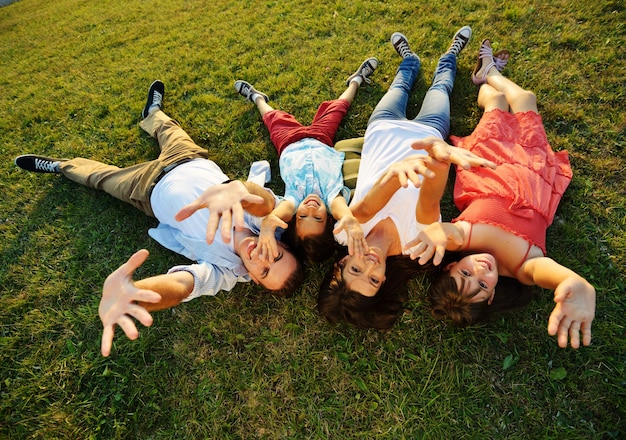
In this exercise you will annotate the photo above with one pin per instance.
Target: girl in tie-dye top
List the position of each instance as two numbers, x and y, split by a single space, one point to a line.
312 172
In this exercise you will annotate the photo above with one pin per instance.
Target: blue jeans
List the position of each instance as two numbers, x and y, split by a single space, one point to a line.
435 111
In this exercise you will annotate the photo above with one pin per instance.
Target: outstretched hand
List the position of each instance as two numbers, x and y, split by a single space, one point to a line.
118 303
432 242
575 309
357 245
409 169
223 202
444 152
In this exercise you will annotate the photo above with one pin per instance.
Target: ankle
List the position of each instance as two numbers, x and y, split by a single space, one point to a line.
358 80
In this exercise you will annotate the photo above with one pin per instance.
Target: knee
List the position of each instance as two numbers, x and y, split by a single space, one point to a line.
525 100
490 98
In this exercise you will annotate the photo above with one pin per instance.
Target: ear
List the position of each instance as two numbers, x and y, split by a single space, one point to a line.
490 300
449 266
343 261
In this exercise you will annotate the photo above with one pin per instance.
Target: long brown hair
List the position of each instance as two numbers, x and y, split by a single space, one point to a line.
447 302
336 302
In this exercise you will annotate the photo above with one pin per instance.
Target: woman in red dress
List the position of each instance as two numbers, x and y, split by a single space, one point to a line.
504 214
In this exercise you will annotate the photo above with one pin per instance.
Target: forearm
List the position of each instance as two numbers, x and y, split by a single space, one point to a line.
339 208
546 273
258 210
428 208
173 288
284 210
375 199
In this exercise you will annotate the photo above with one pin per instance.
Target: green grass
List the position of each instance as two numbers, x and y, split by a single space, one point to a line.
73 78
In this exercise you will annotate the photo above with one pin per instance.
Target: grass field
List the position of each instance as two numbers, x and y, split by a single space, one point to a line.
73 79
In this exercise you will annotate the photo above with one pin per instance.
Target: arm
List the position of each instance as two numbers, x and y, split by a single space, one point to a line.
348 222
258 209
226 201
428 207
397 176
267 248
123 299
575 299
444 152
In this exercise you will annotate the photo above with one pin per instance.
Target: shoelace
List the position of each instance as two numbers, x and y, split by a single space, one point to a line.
157 98
403 49
45 165
366 72
458 45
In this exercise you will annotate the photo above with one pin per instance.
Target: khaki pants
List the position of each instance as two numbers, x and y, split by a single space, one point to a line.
134 184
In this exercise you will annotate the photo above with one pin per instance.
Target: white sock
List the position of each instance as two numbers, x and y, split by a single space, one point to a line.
357 79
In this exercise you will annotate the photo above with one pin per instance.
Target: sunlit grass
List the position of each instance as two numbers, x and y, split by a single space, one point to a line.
73 78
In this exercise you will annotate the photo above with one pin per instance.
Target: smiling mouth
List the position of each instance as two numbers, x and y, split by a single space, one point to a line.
311 202
371 256
486 263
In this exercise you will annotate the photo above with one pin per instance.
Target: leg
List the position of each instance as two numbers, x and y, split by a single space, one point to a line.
487 71
519 99
134 184
435 110
131 185
491 99
350 93
174 142
393 104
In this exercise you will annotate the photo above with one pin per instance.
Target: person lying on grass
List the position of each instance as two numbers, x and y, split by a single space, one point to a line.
504 215
312 172
175 188
359 289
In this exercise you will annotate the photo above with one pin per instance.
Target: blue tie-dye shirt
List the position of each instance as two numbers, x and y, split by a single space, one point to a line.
312 167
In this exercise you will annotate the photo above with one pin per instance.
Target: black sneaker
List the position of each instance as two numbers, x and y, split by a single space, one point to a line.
155 97
460 40
38 164
366 68
246 90
401 45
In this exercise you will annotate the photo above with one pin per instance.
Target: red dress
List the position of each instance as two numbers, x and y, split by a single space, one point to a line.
522 194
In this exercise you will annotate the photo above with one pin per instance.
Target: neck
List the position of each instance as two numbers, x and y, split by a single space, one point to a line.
385 237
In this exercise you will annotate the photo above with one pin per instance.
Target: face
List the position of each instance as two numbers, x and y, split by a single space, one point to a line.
476 273
273 275
311 216
364 274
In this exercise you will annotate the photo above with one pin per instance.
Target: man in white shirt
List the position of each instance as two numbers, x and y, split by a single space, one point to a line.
175 188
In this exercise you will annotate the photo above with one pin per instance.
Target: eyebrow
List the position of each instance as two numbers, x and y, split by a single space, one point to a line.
468 294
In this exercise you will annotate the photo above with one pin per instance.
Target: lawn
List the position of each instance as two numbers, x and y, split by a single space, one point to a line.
73 80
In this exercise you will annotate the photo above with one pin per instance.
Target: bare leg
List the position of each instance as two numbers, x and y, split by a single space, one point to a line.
262 106
491 99
518 99
350 93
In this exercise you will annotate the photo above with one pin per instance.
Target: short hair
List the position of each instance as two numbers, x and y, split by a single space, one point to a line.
336 302
293 283
316 248
447 302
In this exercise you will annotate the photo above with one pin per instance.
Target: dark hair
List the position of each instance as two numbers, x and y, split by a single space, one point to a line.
336 302
447 302
293 283
316 248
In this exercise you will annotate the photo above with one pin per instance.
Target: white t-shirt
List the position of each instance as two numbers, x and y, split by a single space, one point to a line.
386 142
